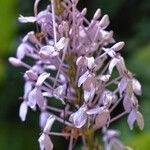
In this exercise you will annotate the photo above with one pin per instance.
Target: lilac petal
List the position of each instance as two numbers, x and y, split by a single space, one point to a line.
96 110
31 74
90 62
108 97
48 51
15 62
122 85
23 111
45 142
39 98
112 64
88 95
59 92
127 103
23 19
42 78
32 99
101 119
131 119
61 43
83 78
136 86
79 118
118 46
140 120
27 89
21 51
49 123
43 118
26 37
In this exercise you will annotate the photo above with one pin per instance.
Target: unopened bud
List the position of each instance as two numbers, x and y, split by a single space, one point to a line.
104 22
118 46
84 11
97 14
15 62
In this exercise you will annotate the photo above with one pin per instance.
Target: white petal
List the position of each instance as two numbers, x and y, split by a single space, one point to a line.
83 78
49 123
42 78
136 86
61 43
23 111
112 64
23 19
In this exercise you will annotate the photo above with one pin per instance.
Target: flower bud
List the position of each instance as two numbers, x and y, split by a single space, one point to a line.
97 14
15 62
104 22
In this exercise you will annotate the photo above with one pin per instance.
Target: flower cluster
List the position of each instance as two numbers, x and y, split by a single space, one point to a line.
76 63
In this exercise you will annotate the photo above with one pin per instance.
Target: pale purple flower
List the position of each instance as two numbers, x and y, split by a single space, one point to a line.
72 64
23 110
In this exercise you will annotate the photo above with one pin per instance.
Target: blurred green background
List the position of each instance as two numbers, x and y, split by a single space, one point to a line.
130 20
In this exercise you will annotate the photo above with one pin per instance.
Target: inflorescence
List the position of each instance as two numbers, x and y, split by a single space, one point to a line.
77 64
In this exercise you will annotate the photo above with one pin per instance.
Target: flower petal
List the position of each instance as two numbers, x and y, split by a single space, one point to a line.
61 43
45 142
42 78
136 86
43 118
112 64
118 46
140 120
49 123
79 118
131 119
23 111
122 85
23 19
15 62
32 99
83 78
